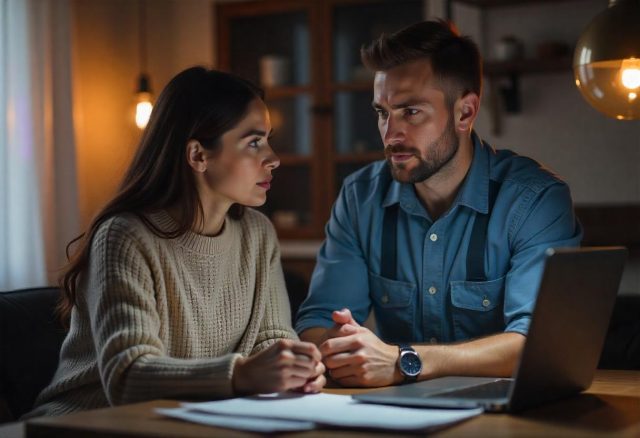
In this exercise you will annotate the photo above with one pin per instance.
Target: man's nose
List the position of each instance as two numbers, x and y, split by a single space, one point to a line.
393 132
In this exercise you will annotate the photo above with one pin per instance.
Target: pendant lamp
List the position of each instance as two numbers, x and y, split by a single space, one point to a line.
606 62
143 91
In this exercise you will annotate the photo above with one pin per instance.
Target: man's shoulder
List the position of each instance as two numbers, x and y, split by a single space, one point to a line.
508 167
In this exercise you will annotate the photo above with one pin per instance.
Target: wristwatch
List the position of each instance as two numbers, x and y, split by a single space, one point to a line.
409 363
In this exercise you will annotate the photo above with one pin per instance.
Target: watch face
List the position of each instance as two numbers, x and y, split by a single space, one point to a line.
410 364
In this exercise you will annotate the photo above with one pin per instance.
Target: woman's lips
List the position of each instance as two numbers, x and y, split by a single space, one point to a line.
265 185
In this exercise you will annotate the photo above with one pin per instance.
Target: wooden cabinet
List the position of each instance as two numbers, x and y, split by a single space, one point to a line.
306 55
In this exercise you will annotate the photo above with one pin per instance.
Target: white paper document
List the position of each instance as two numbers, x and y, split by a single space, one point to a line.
251 424
266 413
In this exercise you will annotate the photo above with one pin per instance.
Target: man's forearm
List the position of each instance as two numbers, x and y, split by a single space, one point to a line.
315 335
495 355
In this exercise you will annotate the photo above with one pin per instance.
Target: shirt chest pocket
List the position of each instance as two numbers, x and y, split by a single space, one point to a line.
394 306
477 308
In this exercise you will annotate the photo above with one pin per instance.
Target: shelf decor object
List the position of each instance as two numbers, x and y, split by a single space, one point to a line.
606 61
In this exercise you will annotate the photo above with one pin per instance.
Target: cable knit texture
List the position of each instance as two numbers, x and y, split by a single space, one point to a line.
162 318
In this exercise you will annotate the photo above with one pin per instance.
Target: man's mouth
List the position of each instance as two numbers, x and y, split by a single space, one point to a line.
401 158
400 153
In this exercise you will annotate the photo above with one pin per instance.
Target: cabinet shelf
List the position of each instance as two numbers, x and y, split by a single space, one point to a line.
286 91
505 3
353 86
294 159
527 66
360 157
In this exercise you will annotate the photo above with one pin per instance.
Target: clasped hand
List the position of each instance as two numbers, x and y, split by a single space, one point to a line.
355 356
286 365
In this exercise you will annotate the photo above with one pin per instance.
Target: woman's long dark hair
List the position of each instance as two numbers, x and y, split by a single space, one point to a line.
196 104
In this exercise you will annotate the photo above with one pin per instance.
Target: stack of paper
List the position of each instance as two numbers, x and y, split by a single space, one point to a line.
295 412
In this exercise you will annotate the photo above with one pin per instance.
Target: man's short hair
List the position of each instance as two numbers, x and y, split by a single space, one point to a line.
455 59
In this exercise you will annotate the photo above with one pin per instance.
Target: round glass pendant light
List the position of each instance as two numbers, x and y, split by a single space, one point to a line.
606 62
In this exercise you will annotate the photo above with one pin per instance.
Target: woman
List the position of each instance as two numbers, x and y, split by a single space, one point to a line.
176 289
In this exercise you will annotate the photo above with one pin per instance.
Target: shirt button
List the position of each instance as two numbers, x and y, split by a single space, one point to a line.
432 290
433 340
385 299
433 237
486 302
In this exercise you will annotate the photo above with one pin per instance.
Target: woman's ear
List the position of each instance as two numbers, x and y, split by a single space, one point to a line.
196 156
466 111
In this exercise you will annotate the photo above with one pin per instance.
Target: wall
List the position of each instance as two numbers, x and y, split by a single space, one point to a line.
106 66
598 156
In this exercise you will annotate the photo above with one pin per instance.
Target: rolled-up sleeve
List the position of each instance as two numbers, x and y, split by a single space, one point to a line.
340 278
546 220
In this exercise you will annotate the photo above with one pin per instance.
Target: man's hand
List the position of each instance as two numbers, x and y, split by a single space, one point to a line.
355 356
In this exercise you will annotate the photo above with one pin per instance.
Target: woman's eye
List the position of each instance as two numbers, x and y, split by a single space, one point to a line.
255 143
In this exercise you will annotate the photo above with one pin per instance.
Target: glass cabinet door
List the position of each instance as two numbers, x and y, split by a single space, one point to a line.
306 56
272 49
356 140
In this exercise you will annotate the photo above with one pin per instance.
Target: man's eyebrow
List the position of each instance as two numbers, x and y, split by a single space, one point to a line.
406 103
255 132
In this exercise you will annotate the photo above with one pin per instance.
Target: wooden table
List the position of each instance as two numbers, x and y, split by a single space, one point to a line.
611 407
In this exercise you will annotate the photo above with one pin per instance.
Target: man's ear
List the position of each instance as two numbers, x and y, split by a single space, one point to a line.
466 111
196 156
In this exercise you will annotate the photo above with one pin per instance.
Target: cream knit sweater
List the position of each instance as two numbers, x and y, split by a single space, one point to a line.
162 318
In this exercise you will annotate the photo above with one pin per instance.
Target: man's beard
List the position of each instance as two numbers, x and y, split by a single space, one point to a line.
439 154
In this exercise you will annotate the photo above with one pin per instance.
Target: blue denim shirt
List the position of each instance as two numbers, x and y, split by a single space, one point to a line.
431 300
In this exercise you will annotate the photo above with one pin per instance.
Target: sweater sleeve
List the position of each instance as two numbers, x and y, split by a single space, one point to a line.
125 325
276 322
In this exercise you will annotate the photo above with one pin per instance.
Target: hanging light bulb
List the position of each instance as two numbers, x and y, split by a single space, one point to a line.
143 105
606 62
143 92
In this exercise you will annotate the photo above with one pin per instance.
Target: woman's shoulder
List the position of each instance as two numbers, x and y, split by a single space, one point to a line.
254 218
254 222
123 227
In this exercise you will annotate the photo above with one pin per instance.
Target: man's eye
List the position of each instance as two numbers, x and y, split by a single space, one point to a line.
382 113
411 111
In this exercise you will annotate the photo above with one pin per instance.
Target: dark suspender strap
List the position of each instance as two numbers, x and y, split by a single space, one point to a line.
388 250
478 243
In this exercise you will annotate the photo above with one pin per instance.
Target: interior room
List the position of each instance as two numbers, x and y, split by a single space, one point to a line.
77 76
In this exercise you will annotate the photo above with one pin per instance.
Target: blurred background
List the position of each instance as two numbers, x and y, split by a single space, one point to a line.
70 78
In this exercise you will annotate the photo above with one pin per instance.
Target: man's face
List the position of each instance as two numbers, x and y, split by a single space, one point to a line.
415 122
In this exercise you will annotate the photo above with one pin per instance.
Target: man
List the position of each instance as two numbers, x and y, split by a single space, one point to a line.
445 239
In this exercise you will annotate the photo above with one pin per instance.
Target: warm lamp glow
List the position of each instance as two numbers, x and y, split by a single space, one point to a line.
606 62
143 110
630 73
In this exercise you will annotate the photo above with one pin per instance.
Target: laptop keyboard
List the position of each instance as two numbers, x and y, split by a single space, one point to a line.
496 389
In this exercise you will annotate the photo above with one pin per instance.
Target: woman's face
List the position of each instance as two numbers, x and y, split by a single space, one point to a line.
241 171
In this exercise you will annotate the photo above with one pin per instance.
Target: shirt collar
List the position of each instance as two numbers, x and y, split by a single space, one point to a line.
474 192
405 195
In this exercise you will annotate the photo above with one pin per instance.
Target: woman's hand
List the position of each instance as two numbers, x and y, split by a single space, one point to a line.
286 365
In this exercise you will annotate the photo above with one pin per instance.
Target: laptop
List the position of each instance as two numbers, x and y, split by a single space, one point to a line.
563 346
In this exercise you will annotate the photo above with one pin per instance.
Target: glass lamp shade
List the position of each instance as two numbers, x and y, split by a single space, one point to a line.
606 62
